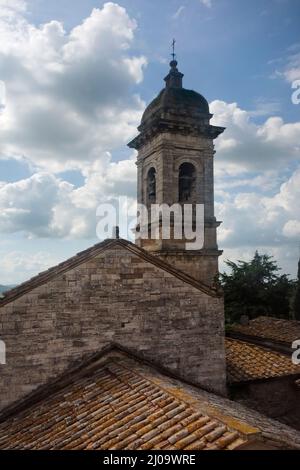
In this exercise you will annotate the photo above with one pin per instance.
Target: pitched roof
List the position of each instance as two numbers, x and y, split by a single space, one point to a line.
268 330
248 362
114 407
118 402
95 250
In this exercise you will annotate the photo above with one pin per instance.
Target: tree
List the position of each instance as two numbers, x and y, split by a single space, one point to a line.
255 288
297 297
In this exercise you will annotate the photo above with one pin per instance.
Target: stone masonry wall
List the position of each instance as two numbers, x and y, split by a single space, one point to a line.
116 297
166 152
198 265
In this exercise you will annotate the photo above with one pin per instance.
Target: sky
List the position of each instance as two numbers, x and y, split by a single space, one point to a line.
75 77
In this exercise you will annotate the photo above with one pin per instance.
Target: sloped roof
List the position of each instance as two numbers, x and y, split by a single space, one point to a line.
275 330
248 362
114 407
118 402
95 250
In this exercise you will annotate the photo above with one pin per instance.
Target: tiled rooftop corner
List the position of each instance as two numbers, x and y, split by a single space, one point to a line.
274 332
248 362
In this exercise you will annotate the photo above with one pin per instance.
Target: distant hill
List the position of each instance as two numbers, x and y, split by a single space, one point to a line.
5 288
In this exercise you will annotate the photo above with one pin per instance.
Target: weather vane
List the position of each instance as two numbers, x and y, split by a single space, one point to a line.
173 49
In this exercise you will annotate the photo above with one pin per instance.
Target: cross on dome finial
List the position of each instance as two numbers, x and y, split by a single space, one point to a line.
174 78
173 63
173 49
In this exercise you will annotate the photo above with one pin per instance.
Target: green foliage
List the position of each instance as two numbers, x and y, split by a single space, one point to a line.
255 288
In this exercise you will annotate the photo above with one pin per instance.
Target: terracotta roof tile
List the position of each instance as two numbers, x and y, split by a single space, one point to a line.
227 439
114 408
246 362
111 403
269 328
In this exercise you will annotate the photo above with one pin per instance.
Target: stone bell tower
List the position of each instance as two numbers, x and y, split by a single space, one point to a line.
176 166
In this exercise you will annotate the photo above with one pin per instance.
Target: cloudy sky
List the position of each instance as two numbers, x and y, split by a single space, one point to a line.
74 78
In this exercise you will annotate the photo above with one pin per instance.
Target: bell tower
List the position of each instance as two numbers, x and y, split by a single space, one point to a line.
176 166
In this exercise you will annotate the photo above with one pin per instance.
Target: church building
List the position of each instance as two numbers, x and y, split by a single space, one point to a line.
123 345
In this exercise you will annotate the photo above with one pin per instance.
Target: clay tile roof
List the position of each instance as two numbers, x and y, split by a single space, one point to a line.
248 362
114 407
276 330
116 401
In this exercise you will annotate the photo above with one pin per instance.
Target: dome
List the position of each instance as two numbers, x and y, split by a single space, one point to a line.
178 102
175 102
175 110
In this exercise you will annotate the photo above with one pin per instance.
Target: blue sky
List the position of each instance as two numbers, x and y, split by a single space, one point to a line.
225 50
74 84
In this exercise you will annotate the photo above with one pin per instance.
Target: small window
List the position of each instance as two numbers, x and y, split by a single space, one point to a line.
187 178
151 185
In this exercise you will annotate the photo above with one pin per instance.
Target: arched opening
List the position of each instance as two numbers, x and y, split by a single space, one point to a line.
187 179
151 185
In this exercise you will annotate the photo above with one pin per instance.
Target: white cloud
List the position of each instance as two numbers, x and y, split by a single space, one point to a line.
264 108
178 12
268 223
2 95
9 8
68 95
288 66
206 3
46 206
17 266
249 146
27 204
253 218
292 69
69 101
292 229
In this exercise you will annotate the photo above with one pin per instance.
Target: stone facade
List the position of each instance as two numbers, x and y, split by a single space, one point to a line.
162 306
116 296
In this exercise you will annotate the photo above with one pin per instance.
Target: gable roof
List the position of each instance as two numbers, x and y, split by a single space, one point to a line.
90 253
114 407
247 362
276 333
117 402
